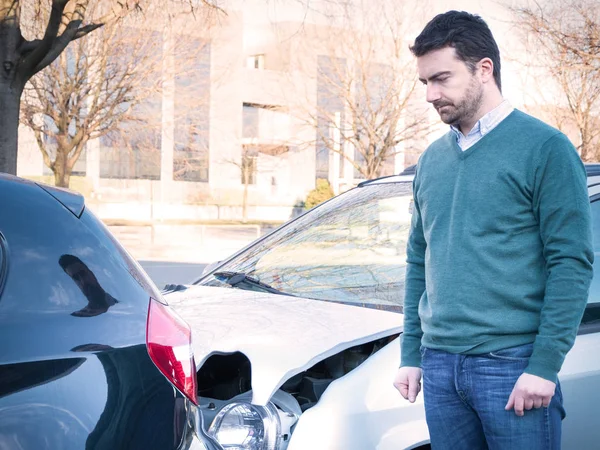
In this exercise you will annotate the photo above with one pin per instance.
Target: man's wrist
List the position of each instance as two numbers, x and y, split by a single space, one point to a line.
410 353
541 366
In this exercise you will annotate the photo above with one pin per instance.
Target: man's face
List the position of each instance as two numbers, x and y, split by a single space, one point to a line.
454 91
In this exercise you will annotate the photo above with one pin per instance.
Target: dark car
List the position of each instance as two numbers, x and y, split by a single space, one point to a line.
91 355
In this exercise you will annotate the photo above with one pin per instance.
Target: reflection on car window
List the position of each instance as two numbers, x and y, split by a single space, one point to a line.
351 249
98 299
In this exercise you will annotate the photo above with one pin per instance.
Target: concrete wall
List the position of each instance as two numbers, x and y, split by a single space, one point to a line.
142 211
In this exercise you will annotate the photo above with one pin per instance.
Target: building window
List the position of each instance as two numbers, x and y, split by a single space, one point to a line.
265 123
133 151
79 169
250 118
256 62
330 104
192 112
131 154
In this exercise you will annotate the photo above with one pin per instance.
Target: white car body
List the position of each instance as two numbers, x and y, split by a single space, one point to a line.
359 411
276 343
283 336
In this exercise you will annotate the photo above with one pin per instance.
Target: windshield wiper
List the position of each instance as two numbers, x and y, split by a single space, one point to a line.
239 279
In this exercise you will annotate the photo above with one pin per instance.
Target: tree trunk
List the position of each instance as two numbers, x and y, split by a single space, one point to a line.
62 178
10 99
245 201
62 173
10 86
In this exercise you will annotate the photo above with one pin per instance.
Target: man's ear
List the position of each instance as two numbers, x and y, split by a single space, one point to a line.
486 69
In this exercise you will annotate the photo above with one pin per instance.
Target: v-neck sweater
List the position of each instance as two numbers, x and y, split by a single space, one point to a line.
500 249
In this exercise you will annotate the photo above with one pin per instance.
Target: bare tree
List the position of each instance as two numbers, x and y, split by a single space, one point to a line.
247 165
98 87
23 56
255 160
563 46
86 93
365 79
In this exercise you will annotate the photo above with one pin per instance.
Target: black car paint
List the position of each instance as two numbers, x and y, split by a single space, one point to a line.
74 369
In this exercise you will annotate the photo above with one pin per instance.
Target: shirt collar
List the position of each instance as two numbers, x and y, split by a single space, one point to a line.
487 122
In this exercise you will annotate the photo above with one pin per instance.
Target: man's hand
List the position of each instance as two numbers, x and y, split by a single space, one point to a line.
408 382
530 392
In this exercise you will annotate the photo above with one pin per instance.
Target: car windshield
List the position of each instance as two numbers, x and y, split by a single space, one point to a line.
351 249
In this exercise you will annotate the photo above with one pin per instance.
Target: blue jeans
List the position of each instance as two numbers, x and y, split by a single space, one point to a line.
465 396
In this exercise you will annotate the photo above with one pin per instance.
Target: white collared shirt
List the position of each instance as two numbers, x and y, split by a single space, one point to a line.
483 126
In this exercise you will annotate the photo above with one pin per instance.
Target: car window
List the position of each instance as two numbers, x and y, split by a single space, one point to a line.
351 249
61 263
591 317
594 296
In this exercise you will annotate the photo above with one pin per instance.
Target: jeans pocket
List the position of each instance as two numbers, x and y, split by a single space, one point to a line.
422 350
519 353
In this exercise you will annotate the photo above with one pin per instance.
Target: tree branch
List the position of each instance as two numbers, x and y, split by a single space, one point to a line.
87 29
59 45
212 5
45 44
79 146
38 137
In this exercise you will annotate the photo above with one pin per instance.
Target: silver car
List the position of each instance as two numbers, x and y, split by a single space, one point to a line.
296 335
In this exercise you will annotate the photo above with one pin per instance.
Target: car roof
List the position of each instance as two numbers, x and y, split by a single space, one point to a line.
71 200
592 170
593 174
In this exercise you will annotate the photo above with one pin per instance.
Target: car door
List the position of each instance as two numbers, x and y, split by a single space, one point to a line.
580 375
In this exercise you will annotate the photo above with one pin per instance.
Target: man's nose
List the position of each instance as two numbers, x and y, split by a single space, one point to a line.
433 93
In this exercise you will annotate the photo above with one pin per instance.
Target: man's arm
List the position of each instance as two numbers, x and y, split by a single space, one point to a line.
408 378
562 207
414 287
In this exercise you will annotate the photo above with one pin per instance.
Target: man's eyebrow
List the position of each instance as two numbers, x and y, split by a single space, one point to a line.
435 76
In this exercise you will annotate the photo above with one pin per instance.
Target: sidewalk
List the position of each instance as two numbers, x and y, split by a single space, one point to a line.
203 244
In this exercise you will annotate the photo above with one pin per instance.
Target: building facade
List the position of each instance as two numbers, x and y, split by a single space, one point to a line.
255 118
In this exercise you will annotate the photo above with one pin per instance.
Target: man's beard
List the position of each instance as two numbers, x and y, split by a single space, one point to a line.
465 109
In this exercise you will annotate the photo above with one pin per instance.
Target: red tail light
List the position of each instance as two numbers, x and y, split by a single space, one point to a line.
169 341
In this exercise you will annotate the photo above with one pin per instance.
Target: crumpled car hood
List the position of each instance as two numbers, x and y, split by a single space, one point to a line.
281 335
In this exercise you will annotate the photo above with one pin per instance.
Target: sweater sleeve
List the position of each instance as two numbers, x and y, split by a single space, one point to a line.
410 340
561 205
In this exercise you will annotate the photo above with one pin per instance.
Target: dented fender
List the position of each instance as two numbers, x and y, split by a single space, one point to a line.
363 410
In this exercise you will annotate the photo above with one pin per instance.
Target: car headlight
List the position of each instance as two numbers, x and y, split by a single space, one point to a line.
244 426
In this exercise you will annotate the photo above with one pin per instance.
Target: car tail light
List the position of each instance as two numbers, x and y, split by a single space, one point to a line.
169 341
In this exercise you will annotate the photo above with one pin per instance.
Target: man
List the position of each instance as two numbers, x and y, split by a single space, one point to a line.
499 259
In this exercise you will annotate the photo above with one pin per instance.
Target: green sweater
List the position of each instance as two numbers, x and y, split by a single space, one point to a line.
500 250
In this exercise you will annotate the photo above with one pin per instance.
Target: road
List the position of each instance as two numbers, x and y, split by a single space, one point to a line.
165 272
196 244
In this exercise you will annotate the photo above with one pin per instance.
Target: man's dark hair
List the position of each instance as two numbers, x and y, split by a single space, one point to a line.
467 33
